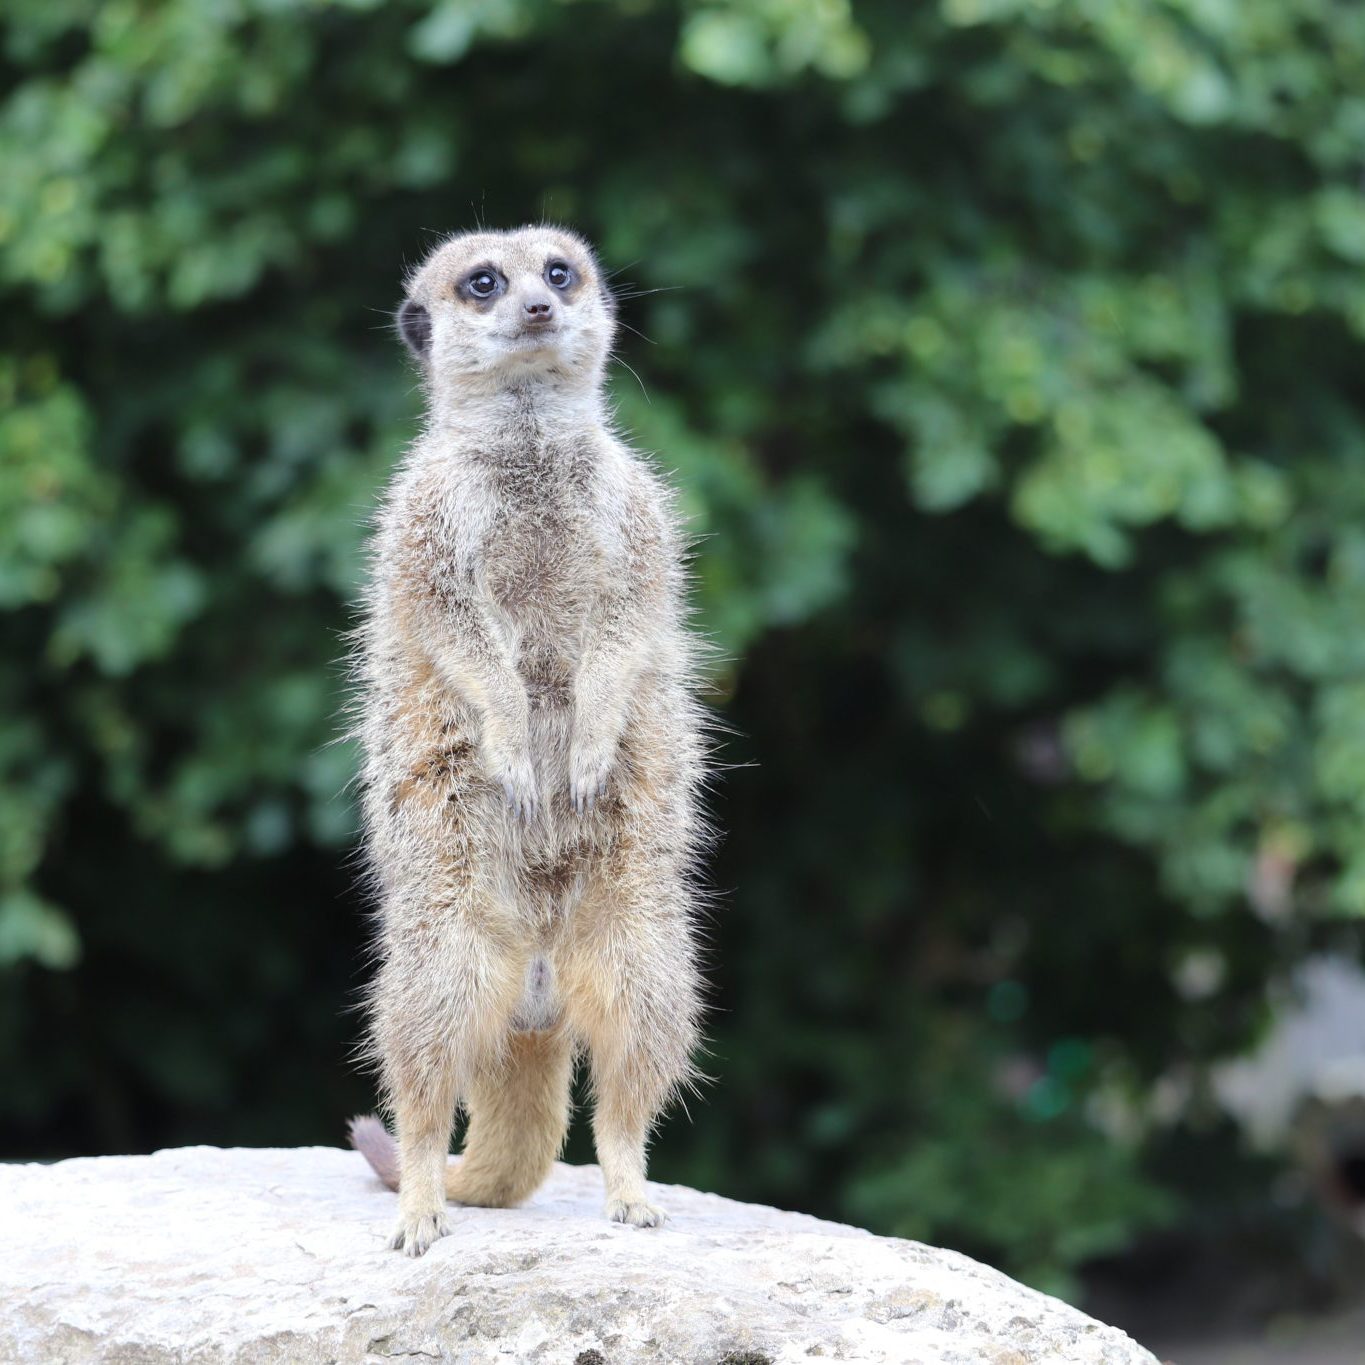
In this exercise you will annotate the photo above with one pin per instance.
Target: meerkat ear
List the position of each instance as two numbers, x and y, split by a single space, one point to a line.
414 326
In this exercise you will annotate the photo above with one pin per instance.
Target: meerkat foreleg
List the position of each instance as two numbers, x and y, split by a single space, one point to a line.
470 650
599 718
603 687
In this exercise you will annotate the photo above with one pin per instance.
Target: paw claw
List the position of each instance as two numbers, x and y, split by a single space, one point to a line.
586 792
636 1213
413 1236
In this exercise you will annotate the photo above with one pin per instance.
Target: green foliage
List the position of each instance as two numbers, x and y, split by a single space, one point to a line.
1007 354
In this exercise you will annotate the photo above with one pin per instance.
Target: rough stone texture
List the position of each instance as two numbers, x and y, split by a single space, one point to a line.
203 1255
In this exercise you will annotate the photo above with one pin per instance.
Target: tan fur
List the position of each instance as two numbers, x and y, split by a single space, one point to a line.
533 751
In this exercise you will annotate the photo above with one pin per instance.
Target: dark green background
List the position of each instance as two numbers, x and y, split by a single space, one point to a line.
1008 354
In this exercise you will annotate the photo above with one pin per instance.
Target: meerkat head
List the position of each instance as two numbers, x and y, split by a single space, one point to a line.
490 310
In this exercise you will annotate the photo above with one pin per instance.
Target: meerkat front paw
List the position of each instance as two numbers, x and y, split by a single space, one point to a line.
637 1213
587 781
517 777
415 1233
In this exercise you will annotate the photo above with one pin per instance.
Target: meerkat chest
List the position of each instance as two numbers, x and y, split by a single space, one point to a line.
542 562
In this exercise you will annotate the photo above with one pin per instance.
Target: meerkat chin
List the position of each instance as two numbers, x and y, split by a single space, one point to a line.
533 748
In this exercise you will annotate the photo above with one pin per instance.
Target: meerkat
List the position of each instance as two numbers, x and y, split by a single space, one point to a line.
533 749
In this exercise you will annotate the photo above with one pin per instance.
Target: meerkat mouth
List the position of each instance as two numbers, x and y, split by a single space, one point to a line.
535 334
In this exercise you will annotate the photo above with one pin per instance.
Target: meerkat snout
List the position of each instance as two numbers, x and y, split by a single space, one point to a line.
538 310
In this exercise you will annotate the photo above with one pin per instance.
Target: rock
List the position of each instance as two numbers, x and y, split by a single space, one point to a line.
202 1255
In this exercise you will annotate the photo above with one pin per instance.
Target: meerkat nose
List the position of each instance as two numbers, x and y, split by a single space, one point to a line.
538 310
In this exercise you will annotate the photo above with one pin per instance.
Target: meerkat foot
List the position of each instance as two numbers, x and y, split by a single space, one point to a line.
414 1235
637 1213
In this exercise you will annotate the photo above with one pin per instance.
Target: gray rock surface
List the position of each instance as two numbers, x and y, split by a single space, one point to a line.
204 1255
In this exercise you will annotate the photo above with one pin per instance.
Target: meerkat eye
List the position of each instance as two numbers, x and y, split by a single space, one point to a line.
558 274
483 284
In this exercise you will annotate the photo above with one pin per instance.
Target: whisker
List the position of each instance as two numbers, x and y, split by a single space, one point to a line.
637 332
640 293
638 380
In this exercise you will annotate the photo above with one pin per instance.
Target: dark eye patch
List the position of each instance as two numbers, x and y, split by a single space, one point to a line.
482 283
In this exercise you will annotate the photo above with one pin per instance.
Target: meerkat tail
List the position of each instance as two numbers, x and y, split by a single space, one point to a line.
375 1143
517 1122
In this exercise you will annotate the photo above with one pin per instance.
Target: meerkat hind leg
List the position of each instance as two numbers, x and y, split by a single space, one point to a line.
636 1002
424 1114
621 1124
433 1041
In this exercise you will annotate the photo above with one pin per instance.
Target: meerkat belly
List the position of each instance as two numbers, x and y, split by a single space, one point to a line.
547 668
